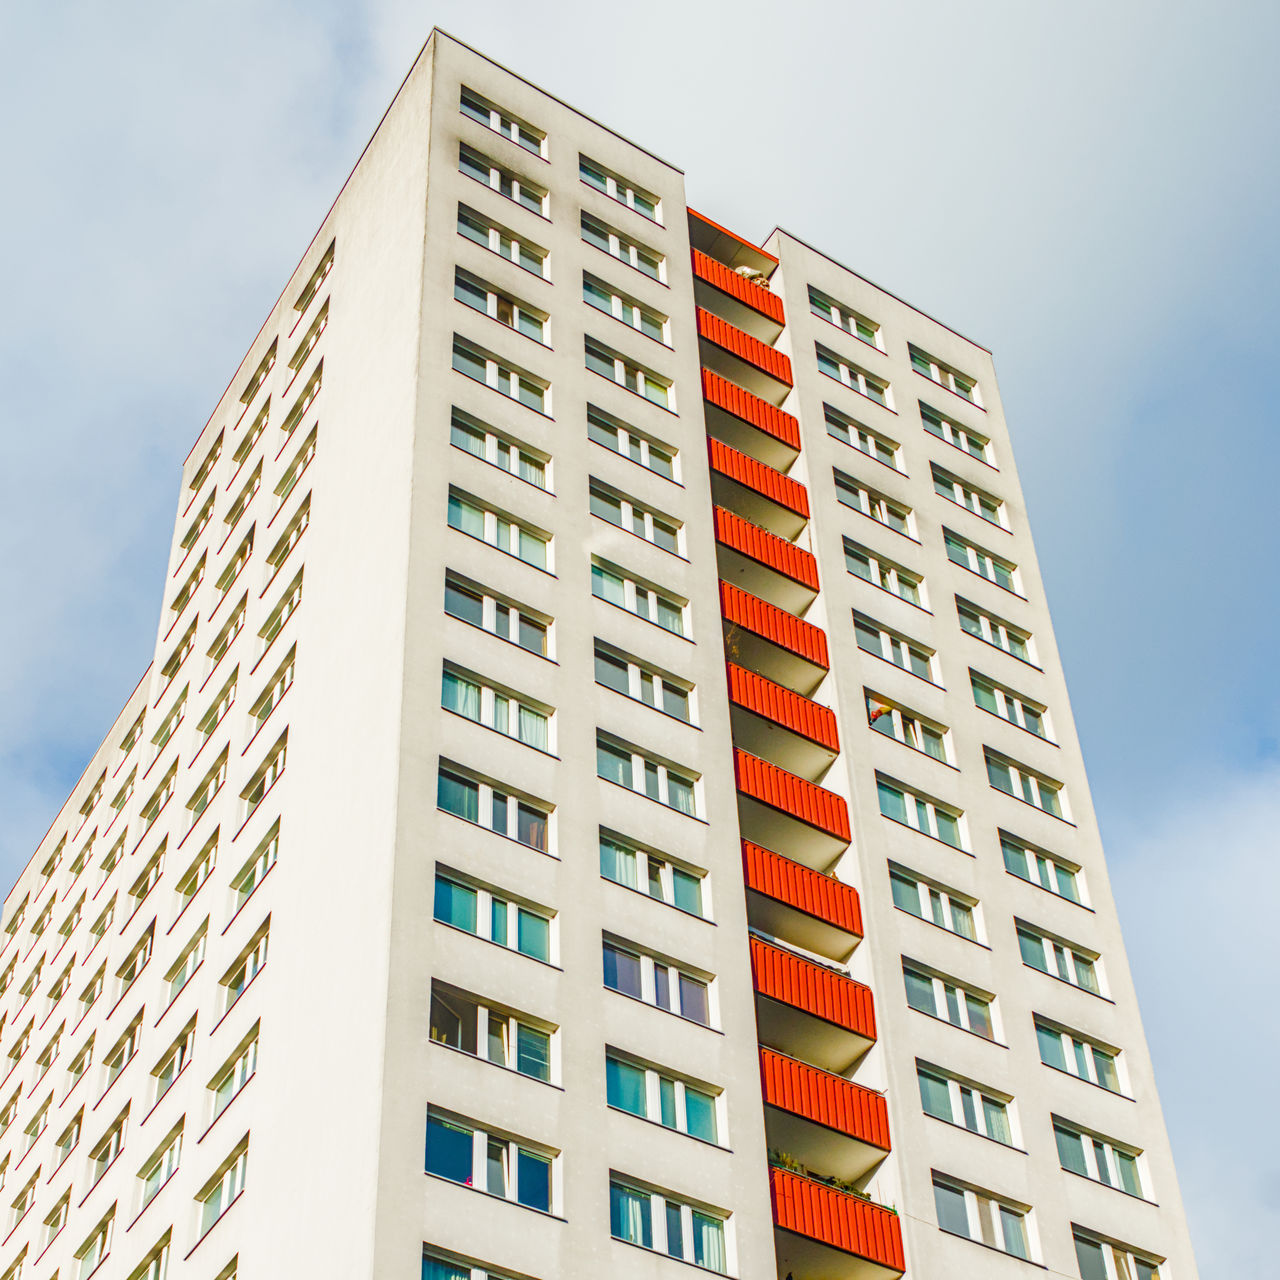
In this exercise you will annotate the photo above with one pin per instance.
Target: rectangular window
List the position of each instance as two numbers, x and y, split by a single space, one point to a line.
907 727
160 1167
1034 865
310 338
197 873
928 816
1100 1259
90 1255
1025 784
944 375
501 375
501 1166
159 798
881 642
173 1062
634 377
291 536
265 366
871 502
656 1221
496 708
618 509
318 277
500 1036
621 306
851 432
854 377
506 182
499 616
227 578
226 637
631 252
946 999
122 1053
207 464
296 468
979 501
1098 1158
850 321
956 435
881 572
480 911
1004 702
968 555
621 762
978 1215
281 614
252 874
279 684
234 1074
245 969
623 439
251 437
953 1099
306 398
928 900
498 449
1070 1052
619 188
188 962
135 961
244 498
1058 959
636 597
189 588
656 982
491 235
173 718
219 1195
668 1100
103 1156
200 523
264 777
643 682
636 867
484 112
503 307
995 631
495 810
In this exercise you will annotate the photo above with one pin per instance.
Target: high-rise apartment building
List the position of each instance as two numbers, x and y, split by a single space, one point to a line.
605 797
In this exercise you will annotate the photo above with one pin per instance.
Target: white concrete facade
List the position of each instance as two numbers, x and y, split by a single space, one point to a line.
280 933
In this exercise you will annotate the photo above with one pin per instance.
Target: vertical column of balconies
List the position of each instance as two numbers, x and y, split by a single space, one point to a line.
826 1132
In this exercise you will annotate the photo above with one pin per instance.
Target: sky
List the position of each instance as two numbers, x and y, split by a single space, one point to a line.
1091 190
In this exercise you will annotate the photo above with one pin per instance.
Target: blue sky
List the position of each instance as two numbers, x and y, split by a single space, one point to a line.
1089 189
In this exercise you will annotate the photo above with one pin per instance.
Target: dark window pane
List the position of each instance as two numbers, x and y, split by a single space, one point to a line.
449 1150
458 795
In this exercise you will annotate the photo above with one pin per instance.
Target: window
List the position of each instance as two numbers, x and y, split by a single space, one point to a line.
219 1195
244 498
502 180
100 926
91 1254
497 449
1092 1156
197 873
636 597
126 791
1037 867
265 366
147 880
501 375
441 1266
156 1264
502 307
1010 706
619 188
37 1125
929 817
1025 784
930 901
253 435
611 505
79 1064
10 1110
246 968
205 469
68 1139
136 960
168 726
304 402
623 439
479 911
123 1051
224 639
946 999
944 375
1070 1052
189 587
501 1166
878 640
500 1036
960 437
979 501
1058 959
103 1156
160 1167
482 110
291 536
850 321
666 1225
976 559
619 762
656 982
635 867
1100 1259
634 377
270 697
871 502
310 338
495 810
493 236
668 1100
49 1054
227 578
496 708
234 1074
163 793
188 962
906 727
498 530
853 377
53 1224
296 468
20 1045
265 776
951 1098
883 573
499 616
174 1061
252 874
872 443
640 681
318 277
995 631
978 1215
621 306
209 787
281 614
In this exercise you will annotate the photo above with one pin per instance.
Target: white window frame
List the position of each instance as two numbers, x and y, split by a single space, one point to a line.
265 777
982 562
645 766
290 538
658 1207
651 969
886 575
655 870
497 702
247 493
1119 1260
297 468
1011 706
971 443
634 518
943 375
630 311
223 1191
1042 869
853 433
523 134
97 1246
1040 792
640 599
317 278
487 793
877 390
640 257
979 502
254 871
235 566
281 614
481 1139
978 1098
922 813
189 587
618 188
503 241
1062 960
996 632
1078 1054
303 403
1102 1159
251 437
187 963
627 442
233 1075
886 511
488 903
504 181
490 605
500 450
908 727
504 377
467 285
896 648
508 1022
959 1006
179 1055
235 982
308 344
936 904
210 785
631 376
985 1220
679 1085
648 684
162 1162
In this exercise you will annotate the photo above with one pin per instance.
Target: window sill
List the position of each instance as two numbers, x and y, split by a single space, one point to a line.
177 994
973 404
960 449
510 328
257 808
657 1253
933 924
118 1074
910 603
475 1057
231 1007
982 1244
236 914
870 399
662 342
155 1106
990 524
509 199
515 476
1093 1084
194 896
1097 995
622 387
1097 1182
857 337
97 1182
231 1101
195 821
936 839
644 795
1048 742
263 722
946 764
515 1204
1013 591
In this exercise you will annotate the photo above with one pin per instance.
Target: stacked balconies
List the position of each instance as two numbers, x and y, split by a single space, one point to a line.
827 1134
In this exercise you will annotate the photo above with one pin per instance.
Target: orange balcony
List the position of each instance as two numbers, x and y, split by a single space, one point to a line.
783 811
809 1011
728 246
791 901
756 492
772 722
828 1123
825 1234
737 298
749 423
735 354
771 640
764 564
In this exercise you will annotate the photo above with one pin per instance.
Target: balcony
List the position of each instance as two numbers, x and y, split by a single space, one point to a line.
826 1122
749 423
825 1234
772 722
756 492
808 1011
764 564
727 246
737 298
771 640
735 354
783 811
793 902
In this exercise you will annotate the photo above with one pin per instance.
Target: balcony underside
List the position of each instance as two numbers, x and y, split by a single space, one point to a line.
806 1259
823 1150
744 373
780 745
799 1034
764 581
781 920
776 829
759 508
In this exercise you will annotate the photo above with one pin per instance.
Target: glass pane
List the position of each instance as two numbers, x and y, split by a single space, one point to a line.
919 990
675 1230
1015 859
455 904
1128 1167
667 1097
1090 1259
612 673
496 1168
1032 949
464 604
708 1243
462 696
459 796
437 1269
1070 1150
1105 1065
948 827
498 912
630 1215
607 586
625 1086
497 1042
533 1052
700 1114
618 864
893 803
449 1150
952 1214
533 1180
662 986
906 893
679 793
688 891
532 636
693 1000
670 616
531 827
621 971
997 1120
533 935
1015 1232
979 1016
613 764
935 1095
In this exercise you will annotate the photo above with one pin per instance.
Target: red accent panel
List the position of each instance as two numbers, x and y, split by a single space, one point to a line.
702 217
749 473
791 710
822 992
784 880
775 625
844 1222
723 394
748 292
791 794
741 344
824 1098
765 548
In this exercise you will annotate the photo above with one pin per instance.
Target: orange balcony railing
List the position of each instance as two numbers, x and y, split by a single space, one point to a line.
738 287
822 1098
760 368
779 809
767 565
790 711
772 640
749 422
765 486
813 989
791 901
818 1219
